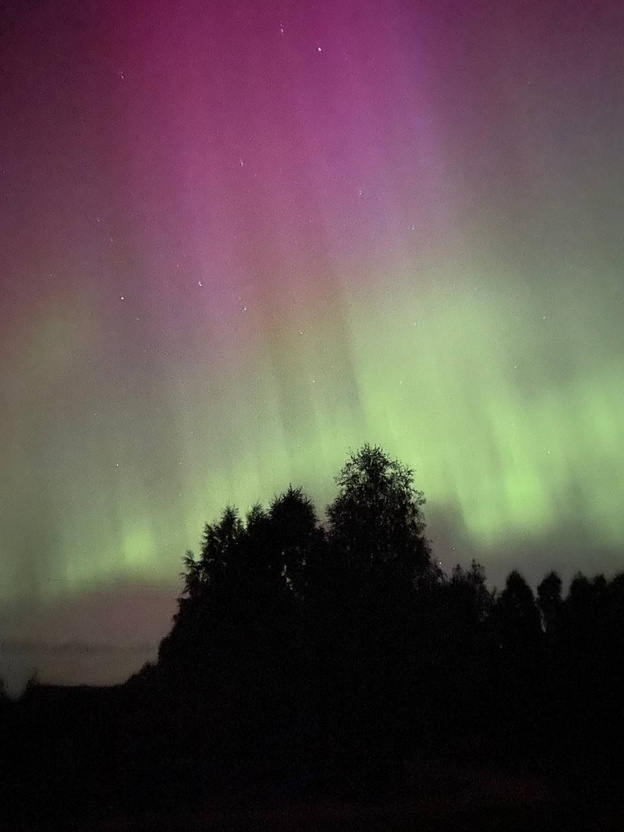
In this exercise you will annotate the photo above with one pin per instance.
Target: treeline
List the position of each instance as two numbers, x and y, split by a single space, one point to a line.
322 657
310 660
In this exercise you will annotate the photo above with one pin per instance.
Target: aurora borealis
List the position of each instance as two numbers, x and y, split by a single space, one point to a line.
238 239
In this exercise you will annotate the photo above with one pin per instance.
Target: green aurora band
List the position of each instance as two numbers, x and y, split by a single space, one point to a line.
510 416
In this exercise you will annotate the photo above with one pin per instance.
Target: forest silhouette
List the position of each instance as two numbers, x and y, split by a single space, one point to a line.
335 661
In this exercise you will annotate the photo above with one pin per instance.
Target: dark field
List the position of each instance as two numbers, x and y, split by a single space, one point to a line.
61 781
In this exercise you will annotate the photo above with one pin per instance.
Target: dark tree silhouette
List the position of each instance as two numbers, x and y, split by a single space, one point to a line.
518 633
315 661
240 647
332 654
219 560
518 615
549 601
376 521
469 591
379 568
463 650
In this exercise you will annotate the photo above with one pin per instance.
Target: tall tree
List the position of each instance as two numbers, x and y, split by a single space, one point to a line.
379 558
296 535
549 600
519 636
376 520
518 616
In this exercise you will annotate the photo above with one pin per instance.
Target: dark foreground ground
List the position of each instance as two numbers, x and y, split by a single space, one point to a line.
68 763
438 796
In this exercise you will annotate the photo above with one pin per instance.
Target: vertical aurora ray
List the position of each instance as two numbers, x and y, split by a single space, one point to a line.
238 241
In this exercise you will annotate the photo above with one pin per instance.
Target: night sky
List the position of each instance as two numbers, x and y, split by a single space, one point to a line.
238 239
